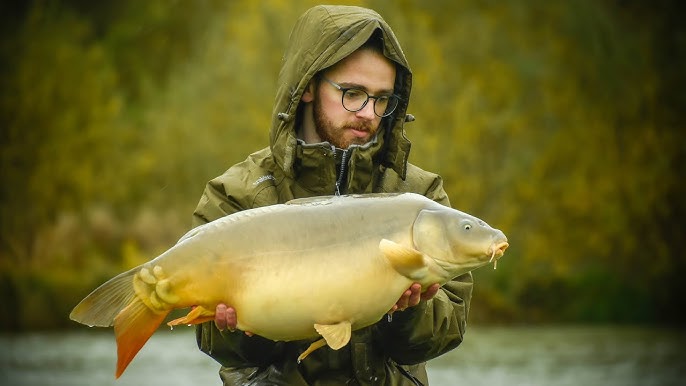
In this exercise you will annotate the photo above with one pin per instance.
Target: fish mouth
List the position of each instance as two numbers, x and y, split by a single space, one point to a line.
497 250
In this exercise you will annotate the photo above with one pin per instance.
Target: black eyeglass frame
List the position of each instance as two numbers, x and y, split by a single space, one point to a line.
376 98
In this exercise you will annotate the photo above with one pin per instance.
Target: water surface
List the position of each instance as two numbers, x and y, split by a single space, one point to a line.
548 355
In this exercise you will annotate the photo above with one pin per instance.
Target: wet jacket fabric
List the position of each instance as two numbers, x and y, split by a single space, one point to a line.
390 352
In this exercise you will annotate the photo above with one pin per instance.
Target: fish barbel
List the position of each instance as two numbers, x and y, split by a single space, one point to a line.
300 270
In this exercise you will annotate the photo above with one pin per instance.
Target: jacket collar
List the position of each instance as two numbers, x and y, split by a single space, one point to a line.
319 167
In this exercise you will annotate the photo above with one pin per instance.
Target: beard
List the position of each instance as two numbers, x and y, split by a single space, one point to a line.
339 135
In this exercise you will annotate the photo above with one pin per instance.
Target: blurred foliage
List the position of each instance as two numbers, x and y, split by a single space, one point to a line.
559 122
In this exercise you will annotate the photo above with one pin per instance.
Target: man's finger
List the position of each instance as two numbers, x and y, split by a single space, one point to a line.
430 292
415 295
220 317
231 318
404 301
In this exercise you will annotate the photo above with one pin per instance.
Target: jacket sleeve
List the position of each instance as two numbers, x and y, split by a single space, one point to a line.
231 349
433 327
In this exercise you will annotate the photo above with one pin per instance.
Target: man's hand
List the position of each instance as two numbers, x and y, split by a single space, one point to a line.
413 296
225 317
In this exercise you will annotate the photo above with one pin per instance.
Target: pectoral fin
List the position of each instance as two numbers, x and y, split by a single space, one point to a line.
407 261
196 316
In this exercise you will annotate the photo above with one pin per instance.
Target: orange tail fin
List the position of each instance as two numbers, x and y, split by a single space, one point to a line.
133 326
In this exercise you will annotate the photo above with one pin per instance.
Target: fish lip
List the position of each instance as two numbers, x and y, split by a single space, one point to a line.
497 250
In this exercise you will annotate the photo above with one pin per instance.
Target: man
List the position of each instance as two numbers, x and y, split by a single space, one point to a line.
337 128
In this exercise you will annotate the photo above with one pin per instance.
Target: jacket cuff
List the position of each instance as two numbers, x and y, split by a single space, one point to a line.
405 321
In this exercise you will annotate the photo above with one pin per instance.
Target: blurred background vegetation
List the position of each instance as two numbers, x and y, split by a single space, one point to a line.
559 122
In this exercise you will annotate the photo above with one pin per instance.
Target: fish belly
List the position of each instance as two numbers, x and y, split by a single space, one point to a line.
285 303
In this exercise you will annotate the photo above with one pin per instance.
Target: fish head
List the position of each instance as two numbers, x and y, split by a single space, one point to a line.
458 242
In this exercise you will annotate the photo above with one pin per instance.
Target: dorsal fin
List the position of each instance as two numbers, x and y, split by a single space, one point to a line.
324 200
310 200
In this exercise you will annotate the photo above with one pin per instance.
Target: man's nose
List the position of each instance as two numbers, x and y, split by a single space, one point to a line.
367 112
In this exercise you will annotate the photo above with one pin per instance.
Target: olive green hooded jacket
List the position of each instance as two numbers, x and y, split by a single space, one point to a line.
390 352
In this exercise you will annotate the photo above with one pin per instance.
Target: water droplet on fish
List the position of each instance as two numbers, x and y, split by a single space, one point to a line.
171 328
90 326
189 324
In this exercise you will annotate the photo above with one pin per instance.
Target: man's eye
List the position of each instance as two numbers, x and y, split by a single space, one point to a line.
355 94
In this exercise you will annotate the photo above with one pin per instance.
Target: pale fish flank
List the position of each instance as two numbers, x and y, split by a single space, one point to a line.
308 269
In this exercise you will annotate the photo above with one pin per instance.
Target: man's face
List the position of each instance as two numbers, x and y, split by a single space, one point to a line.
364 69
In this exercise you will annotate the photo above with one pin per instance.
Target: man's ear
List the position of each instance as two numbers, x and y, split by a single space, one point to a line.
308 94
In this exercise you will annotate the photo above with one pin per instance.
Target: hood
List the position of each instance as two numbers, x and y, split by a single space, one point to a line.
321 37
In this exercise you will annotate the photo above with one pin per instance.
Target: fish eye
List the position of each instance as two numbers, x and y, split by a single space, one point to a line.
467 227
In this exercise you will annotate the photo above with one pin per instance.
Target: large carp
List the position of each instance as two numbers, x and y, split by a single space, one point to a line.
310 267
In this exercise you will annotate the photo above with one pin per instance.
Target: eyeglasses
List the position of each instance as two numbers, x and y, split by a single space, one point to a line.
355 99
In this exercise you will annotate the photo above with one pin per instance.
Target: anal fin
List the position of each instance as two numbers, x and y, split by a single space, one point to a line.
196 316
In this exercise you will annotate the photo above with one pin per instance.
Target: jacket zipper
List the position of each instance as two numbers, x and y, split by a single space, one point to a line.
341 171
